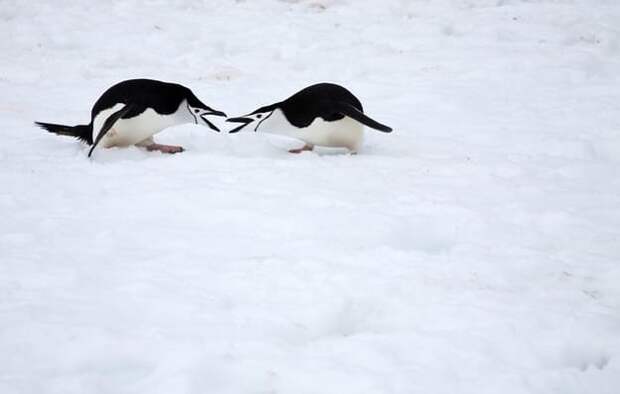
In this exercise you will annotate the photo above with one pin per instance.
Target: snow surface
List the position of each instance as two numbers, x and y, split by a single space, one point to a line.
474 250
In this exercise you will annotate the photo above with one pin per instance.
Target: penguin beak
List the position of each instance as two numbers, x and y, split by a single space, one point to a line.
244 121
215 113
211 125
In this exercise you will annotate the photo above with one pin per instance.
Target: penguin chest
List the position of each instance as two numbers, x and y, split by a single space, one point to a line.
131 131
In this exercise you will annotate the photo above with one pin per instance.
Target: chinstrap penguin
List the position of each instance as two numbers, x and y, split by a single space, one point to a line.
324 114
132 111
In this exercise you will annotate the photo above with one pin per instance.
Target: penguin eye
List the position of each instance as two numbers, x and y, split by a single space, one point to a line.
258 116
196 110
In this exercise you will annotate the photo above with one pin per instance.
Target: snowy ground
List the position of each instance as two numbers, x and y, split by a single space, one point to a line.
474 250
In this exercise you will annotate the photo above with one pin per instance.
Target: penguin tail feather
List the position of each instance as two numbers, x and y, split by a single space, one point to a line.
82 132
354 113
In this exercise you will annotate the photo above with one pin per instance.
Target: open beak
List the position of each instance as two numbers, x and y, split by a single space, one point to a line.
244 122
211 112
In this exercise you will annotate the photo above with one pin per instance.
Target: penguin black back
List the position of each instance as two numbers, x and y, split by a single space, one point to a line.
163 97
320 100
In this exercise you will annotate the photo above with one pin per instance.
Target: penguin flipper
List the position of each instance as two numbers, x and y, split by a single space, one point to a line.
354 113
109 122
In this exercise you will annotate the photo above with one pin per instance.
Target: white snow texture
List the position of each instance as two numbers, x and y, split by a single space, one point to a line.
473 250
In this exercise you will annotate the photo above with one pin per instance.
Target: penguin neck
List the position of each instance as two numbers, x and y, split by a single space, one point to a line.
191 99
275 123
183 115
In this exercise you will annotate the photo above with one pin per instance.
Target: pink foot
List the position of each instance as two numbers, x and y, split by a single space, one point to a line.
165 148
304 148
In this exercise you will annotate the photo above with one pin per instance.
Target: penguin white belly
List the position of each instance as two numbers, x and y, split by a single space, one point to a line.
346 132
126 132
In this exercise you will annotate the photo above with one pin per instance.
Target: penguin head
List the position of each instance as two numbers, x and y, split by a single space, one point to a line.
258 118
199 112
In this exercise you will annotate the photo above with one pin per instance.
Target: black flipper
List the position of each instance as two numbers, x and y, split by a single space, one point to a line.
354 113
109 122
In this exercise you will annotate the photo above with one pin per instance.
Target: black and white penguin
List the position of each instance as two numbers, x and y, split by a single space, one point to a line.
324 114
132 111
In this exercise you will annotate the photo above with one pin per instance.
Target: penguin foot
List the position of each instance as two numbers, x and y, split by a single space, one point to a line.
164 148
304 148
